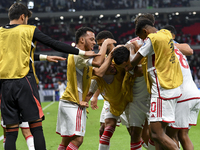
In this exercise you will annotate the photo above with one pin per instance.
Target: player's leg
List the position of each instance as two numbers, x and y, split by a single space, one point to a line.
160 138
27 135
138 111
71 123
37 132
104 142
159 118
185 140
102 118
4 133
173 134
145 132
11 136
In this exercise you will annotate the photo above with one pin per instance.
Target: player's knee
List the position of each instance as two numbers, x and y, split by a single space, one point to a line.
79 141
101 130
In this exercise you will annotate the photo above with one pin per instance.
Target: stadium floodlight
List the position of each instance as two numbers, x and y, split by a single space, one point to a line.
61 18
80 17
36 18
117 16
101 16
73 44
194 13
177 13
30 4
156 13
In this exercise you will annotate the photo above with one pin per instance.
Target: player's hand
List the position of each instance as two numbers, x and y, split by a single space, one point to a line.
94 104
91 54
55 58
84 104
109 41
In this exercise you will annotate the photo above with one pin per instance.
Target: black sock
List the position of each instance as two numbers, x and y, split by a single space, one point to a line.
38 136
11 138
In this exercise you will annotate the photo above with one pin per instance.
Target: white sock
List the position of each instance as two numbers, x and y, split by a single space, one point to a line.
30 142
151 145
103 147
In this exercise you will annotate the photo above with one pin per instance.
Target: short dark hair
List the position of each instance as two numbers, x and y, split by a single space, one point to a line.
170 28
81 32
121 54
145 16
141 24
17 9
104 35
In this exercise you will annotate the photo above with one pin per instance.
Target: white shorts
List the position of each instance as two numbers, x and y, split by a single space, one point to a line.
124 117
71 119
105 110
186 114
194 111
162 110
138 112
23 125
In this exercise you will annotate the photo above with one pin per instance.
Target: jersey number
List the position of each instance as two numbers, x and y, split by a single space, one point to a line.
153 106
182 60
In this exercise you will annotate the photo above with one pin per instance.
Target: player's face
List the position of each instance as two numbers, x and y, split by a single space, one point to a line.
111 70
143 34
126 65
89 41
99 43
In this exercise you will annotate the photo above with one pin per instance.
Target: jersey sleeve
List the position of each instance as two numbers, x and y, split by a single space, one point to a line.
146 48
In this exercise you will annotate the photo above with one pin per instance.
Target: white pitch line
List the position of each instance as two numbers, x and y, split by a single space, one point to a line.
48 105
2 137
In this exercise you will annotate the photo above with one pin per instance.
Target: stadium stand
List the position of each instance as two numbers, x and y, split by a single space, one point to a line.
61 18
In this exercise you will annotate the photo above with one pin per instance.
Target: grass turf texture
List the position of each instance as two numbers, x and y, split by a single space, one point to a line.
119 141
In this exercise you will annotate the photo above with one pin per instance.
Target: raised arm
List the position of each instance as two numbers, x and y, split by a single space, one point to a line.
60 46
184 48
98 60
101 70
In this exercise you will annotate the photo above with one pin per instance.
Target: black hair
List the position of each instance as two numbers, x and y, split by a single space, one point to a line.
104 35
141 24
170 28
82 32
16 10
145 16
121 54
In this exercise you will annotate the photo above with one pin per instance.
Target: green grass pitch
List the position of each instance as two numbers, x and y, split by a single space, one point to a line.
119 141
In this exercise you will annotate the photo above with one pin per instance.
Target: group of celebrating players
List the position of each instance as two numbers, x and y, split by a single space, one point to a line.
146 85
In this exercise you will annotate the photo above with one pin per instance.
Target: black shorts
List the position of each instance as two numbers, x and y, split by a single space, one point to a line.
20 100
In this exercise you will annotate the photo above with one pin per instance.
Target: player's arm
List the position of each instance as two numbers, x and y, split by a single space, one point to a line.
98 60
41 57
101 70
184 48
60 46
92 90
142 52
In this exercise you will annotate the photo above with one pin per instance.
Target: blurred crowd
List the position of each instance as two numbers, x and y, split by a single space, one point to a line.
50 73
79 5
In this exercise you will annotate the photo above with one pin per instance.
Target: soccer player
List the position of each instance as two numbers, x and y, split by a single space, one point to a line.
163 77
101 36
24 125
71 120
19 90
188 105
114 89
